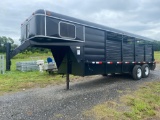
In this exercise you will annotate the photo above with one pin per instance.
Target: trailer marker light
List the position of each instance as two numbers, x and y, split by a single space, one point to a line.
48 13
109 62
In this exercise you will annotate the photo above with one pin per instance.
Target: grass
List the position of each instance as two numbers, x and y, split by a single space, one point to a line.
16 81
13 81
157 56
142 104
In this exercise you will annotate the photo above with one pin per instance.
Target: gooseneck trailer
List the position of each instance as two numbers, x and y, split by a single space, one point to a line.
84 48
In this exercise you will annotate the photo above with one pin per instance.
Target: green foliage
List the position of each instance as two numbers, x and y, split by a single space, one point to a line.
156 45
36 50
157 56
28 51
29 54
3 41
140 109
33 51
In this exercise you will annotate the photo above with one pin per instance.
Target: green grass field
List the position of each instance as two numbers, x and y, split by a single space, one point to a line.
143 104
157 56
14 80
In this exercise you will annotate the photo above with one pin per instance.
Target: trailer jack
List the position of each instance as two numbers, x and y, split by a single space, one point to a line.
68 70
8 57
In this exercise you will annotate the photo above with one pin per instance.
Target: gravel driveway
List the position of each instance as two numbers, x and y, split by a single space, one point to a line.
55 103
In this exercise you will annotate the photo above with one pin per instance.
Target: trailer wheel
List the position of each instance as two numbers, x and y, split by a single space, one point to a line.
137 72
145 70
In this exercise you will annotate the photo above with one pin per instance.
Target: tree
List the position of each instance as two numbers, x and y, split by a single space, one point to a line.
156 45
3 41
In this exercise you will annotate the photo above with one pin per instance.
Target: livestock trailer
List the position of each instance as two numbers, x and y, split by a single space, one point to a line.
84 48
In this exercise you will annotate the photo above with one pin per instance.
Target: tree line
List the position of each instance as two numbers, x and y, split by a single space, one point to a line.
4 40
156 45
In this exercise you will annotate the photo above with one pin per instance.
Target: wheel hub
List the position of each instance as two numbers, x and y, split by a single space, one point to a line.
146 70
139 72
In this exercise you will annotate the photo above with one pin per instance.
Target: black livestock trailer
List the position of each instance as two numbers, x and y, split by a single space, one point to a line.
84 48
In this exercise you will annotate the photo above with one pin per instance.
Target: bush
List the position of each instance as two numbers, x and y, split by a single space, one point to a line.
30 54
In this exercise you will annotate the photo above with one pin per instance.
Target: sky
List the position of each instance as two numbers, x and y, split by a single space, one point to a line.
135 16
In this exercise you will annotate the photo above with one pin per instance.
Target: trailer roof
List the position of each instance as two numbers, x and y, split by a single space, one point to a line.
86 23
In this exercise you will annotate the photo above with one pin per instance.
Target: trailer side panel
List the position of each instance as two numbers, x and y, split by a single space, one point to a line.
94 50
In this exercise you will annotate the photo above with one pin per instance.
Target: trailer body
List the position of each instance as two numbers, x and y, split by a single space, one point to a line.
87 48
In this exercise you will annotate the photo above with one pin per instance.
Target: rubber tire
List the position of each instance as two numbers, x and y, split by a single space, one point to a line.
134 72
143 70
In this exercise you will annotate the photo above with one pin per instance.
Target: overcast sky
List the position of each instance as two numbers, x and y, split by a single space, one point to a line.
135 16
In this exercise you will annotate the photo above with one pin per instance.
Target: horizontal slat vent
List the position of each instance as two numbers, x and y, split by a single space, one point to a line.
94 44
148 53
139 49
113 50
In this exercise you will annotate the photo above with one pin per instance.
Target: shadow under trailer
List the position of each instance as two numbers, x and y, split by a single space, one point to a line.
83 48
